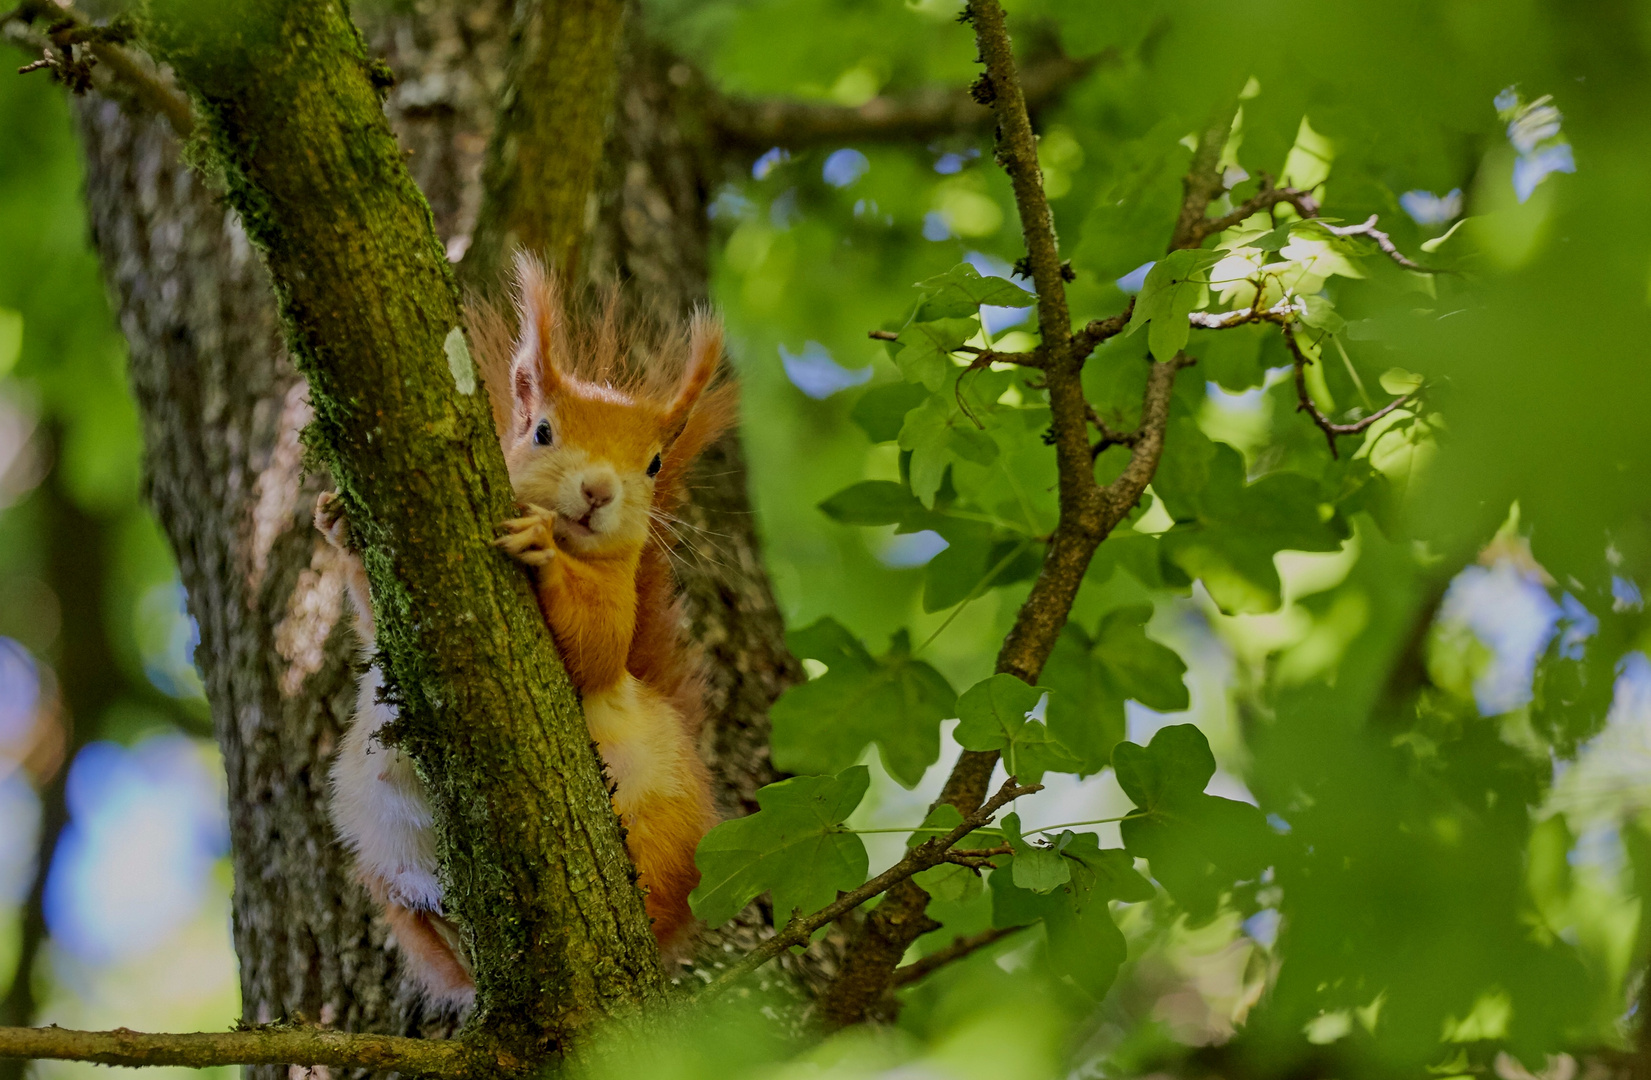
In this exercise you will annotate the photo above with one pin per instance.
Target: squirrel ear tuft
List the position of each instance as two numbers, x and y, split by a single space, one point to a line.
541 338
704 357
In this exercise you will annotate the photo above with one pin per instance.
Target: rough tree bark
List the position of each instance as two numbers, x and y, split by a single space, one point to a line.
222 408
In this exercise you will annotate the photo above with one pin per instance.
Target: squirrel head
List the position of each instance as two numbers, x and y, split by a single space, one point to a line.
585 434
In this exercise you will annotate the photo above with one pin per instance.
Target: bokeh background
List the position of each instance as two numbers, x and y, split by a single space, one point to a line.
104 737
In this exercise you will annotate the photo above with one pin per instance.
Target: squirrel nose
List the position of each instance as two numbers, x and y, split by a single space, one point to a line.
598 491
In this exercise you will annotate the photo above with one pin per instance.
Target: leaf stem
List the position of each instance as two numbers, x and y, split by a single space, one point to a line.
1024 832
974 594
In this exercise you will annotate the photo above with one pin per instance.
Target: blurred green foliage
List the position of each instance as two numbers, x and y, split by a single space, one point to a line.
1419 874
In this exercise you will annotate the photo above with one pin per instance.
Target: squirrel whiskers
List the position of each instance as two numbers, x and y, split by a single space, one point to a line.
599 449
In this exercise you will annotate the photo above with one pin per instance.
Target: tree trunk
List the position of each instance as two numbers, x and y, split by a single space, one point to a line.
222 407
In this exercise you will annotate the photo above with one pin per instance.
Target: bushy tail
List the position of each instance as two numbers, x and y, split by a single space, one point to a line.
434 953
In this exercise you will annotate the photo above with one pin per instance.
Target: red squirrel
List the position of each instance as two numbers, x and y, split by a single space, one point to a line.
598 456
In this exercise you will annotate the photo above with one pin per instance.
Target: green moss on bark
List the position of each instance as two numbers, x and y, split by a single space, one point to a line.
535 864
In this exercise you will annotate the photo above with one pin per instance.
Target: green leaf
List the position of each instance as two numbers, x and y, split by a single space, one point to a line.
1320 314
948 882
1086 711
961 290
1232 358
1141 668
937 435
1114 868
829 642
896 702
941 820
1176 764
1133 214
1171 293
992 713
1199 846
1228 530
882 409
992 716
792 847
925 349
871 502
1037 868
1085 945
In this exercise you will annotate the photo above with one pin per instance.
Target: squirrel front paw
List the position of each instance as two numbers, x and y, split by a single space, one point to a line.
330 520
530 539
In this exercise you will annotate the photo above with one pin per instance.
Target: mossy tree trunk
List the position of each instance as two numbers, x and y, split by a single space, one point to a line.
222 407
533 860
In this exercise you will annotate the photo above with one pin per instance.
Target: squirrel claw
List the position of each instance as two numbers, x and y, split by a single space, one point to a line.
529 539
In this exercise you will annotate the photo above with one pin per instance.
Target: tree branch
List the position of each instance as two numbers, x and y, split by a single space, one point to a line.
1087 340
748 126
957 950
1203 181
1281 313
1385 242
68 30
1304 400
930 853
1267 198
449 1059
1087 513
546 148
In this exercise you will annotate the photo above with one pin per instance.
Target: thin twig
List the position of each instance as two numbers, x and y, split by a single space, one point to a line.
957 950
978 859
1268 197
1109 437
1304 400
1087 340
982 357
1385 242
449 1059
1281 313
68 30
929 853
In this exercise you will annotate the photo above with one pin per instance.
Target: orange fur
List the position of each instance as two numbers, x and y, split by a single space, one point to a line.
602 567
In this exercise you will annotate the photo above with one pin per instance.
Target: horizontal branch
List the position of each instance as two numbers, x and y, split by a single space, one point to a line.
255 1046
1087 340
1304 401
1281 313
957 950
930 853
1389 248
754 125
67 30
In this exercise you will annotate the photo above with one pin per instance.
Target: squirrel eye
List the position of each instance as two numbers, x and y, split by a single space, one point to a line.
541 434
654 465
